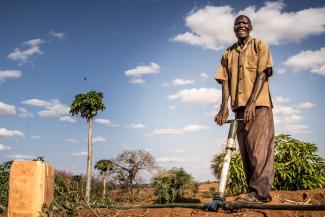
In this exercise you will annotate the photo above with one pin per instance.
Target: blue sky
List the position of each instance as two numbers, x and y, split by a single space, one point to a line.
155 63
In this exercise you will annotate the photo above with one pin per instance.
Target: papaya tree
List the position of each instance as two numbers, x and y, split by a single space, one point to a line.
103 166
87 105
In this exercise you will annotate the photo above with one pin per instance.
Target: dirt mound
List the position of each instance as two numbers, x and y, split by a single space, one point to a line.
308 197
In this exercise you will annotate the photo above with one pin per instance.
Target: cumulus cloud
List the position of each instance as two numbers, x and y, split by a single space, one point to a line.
24 113
178 131
52 108
33 48
211 27
314 61
99 139
68 119
282 99
4 147
204 76
58 35
105 122
139 71
36 137
11 133
6 109
136 126
79 154
306 105
4 74
180 81
203 96
139 81
297 128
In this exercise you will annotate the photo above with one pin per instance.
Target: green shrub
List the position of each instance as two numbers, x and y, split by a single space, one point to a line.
172 185
4 182
297 167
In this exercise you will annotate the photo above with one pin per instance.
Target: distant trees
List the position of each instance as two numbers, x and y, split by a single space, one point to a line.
87 105
104 166
129 163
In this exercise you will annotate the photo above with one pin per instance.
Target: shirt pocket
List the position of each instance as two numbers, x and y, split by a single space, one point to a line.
251 62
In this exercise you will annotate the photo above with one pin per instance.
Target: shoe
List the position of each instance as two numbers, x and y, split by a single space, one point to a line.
252 197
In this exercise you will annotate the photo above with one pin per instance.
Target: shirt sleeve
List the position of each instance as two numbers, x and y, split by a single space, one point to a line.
221 73
264 63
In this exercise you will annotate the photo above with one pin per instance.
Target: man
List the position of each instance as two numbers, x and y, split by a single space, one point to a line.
244 72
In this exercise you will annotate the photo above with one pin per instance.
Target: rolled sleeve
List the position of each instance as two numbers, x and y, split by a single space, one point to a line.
265 63
221 74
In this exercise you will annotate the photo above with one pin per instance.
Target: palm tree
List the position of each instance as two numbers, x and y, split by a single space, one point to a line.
87 105
104 166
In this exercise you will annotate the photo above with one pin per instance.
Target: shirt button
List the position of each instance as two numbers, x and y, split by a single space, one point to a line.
240 92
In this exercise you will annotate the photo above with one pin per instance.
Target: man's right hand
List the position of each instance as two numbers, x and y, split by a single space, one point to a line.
222 115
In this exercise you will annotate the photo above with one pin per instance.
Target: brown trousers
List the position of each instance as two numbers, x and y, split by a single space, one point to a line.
256 143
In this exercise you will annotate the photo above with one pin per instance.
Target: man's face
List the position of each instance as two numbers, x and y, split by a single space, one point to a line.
242 28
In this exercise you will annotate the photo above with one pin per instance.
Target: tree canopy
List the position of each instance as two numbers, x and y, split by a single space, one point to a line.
87 104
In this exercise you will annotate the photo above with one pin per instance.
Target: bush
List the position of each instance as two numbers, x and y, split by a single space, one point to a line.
297 167
172 185
4 182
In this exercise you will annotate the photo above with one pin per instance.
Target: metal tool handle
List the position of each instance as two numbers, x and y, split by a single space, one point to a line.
232 120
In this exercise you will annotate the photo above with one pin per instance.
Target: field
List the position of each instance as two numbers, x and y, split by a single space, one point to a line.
308 197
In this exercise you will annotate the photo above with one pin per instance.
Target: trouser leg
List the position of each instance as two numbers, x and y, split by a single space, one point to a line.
256 142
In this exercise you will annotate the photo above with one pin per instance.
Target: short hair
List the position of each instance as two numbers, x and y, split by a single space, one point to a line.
240 16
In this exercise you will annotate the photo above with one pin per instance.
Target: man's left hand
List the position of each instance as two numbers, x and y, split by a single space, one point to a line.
249 112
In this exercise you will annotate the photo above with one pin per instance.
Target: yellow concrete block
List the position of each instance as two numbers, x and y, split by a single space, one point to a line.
31 184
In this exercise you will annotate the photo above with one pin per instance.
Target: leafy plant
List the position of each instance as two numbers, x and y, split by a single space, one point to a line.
104 166
4 183
172 185
297 167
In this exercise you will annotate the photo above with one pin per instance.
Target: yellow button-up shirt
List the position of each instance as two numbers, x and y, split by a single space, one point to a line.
240 67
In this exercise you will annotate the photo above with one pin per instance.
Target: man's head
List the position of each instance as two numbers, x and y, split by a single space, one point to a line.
242 27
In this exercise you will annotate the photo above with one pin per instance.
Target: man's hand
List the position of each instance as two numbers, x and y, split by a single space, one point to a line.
222 115
249 112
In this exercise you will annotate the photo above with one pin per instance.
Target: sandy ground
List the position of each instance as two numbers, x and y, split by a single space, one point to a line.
308 197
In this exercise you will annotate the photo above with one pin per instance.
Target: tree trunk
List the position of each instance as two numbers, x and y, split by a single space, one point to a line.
104 187
89 160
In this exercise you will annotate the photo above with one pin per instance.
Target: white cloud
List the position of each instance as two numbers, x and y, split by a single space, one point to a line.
78 154
6 109
105 122
204 76
202 96
211 27
172 107
59 35
72 140
139 71
4 74
11 133
36 137
180 81
281 109
282 99
153 68
171 160
4 147
136 126
53 108
36 102
99 139
24 113
306 105
138 81
68 119
308 60
178 131
297 128
22 56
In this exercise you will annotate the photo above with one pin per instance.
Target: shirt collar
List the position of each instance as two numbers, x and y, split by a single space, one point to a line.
248 41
